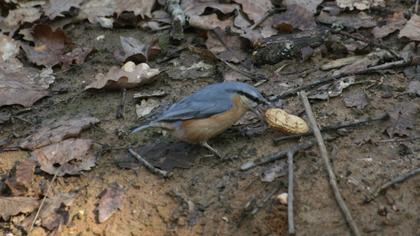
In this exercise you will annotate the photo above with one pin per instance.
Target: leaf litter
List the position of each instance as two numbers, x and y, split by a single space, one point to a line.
110 200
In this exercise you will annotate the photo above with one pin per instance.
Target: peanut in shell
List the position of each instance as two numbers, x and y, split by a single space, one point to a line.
285 122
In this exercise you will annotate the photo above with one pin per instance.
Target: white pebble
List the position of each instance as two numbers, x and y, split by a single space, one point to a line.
282 198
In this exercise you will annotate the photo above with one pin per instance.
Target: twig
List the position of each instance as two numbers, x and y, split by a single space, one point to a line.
121 106
149 166
290 217
178 19
331 175
326 80
394 181
360 122
265 17
398 140
416 7
43 202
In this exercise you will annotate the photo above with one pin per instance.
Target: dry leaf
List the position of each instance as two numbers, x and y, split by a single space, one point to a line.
412 29
274 171
9 48
145 94
341 62
136 51
20 85
414 87
76 57
49 47
255 10
353 21
356 99
11 206
360 4
332 90
66 157
22 179
55 8
209 22
196 8
296 17
232 53
55 132
371 59
110 200
403 118
146 107
17 17
138 7
129 76
310 5
393 23
54 214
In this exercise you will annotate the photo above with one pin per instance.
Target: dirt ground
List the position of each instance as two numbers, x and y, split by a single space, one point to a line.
208 196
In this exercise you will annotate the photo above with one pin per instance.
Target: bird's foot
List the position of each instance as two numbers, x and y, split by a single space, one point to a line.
214 151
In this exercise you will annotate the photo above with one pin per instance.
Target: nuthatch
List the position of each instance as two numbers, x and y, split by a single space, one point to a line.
208 112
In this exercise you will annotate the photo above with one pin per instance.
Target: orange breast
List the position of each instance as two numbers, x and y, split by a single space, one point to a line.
199 130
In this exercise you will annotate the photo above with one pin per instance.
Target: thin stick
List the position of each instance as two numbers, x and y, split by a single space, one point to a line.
330 79
121 106
149 166
416 7
394 181
43 201
398 140
331 175
360 122
290 217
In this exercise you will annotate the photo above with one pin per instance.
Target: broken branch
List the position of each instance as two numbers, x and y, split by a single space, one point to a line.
290 220
327 162
147 164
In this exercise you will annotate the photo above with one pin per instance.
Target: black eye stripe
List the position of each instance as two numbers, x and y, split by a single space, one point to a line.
249 96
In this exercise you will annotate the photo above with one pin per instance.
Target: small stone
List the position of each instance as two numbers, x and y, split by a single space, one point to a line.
225 219
282 198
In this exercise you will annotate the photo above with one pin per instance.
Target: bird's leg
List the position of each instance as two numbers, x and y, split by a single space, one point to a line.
206 145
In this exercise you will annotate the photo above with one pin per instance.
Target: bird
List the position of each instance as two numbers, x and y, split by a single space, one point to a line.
208 112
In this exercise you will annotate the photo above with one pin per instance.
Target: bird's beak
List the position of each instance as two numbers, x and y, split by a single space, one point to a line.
258 113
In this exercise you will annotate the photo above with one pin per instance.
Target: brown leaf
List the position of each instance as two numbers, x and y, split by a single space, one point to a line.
310 5
11 206
129 76
138 7
20 85
273 172
55 132
414 87
22 179
146 107
229 50
54 212
110 200
196 8
393 23
371 59
9 48
296 17
209 22
353 21
255 9
360 4
403 118
136 51
50 45
66 157
357 99
55 8
76 57
19 16
412 29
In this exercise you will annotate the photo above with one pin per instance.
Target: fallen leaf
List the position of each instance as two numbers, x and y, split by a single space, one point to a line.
20 182
145 94
341 62
393 23
369 60
70 156
20 85
9 48
352 21
76 57
296 17
274 171
360 4
255 10
146 107
49 47
4 117
138 7
232 75
403 118
136 51
356 99
16 17
54 132
412 29
55 8
232 53
110 200
328 91
209 22
414 87
196 8
310 5
129 76
54 212
11 206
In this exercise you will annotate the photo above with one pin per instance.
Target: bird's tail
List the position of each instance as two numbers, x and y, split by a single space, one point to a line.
140 128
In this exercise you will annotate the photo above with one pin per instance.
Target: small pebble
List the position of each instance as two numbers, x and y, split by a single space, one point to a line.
282 198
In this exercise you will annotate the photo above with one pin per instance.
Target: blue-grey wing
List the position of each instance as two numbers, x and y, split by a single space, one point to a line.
196 107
